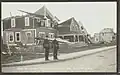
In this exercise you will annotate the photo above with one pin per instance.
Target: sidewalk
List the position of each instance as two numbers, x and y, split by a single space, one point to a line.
62 57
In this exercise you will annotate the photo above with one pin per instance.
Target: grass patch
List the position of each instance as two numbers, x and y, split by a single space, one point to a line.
32 55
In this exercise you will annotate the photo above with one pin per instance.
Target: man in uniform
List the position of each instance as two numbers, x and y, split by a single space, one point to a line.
46 47
55 49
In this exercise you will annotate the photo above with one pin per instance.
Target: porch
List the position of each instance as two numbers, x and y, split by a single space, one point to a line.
73 37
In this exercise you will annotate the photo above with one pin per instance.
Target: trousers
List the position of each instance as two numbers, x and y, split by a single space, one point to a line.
55 54
46 54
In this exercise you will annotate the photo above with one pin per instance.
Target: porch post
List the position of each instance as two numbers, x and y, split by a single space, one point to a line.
78 38
84 38
63 37
74 38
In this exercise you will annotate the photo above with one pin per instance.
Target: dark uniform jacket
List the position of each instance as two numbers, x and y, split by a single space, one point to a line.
46 43
55 44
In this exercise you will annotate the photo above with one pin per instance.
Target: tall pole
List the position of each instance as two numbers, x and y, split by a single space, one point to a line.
9 51
10 14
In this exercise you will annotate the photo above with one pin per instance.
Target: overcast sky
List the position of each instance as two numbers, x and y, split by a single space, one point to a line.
94 15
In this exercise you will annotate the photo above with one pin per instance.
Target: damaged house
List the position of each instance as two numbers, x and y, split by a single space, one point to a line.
26 28
73 31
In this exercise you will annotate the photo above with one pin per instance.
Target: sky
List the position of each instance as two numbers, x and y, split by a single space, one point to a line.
94 16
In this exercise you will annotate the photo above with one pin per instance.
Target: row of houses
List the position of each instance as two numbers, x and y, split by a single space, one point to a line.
24 29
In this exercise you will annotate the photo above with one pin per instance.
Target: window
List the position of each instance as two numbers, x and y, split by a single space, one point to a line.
42 34
28 34
42 23
51 35
13 22
48 23
18 37
11 37
113 37
26 21
52 25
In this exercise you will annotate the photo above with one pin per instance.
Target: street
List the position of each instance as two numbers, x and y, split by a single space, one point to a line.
104 61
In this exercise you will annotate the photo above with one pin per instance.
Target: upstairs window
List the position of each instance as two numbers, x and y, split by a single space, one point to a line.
42 23
11 37
13 22
48 23
17 35
26 21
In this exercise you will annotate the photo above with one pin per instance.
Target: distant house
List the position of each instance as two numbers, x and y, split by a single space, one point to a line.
26 28
105 35
72 31
96 38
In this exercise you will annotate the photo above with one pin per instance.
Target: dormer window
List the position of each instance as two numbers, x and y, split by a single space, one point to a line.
13 22
49 23
42 23
26 21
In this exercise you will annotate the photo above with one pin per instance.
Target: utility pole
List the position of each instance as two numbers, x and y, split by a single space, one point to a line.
9 51
10 14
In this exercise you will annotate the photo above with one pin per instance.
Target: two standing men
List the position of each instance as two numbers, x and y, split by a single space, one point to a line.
46 46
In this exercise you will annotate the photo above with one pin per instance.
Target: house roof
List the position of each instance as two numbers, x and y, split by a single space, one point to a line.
57 18
106 30
7 18
44 11
66 23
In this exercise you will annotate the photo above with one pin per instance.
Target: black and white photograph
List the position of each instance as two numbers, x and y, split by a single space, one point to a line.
58 37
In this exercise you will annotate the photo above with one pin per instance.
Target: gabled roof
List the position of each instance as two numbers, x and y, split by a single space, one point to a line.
44 11
67 22
57 18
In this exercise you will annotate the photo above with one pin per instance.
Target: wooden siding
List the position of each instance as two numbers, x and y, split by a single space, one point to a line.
20 23
63 30
6 24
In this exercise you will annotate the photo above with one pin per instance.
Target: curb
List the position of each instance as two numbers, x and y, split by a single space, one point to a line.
52 61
